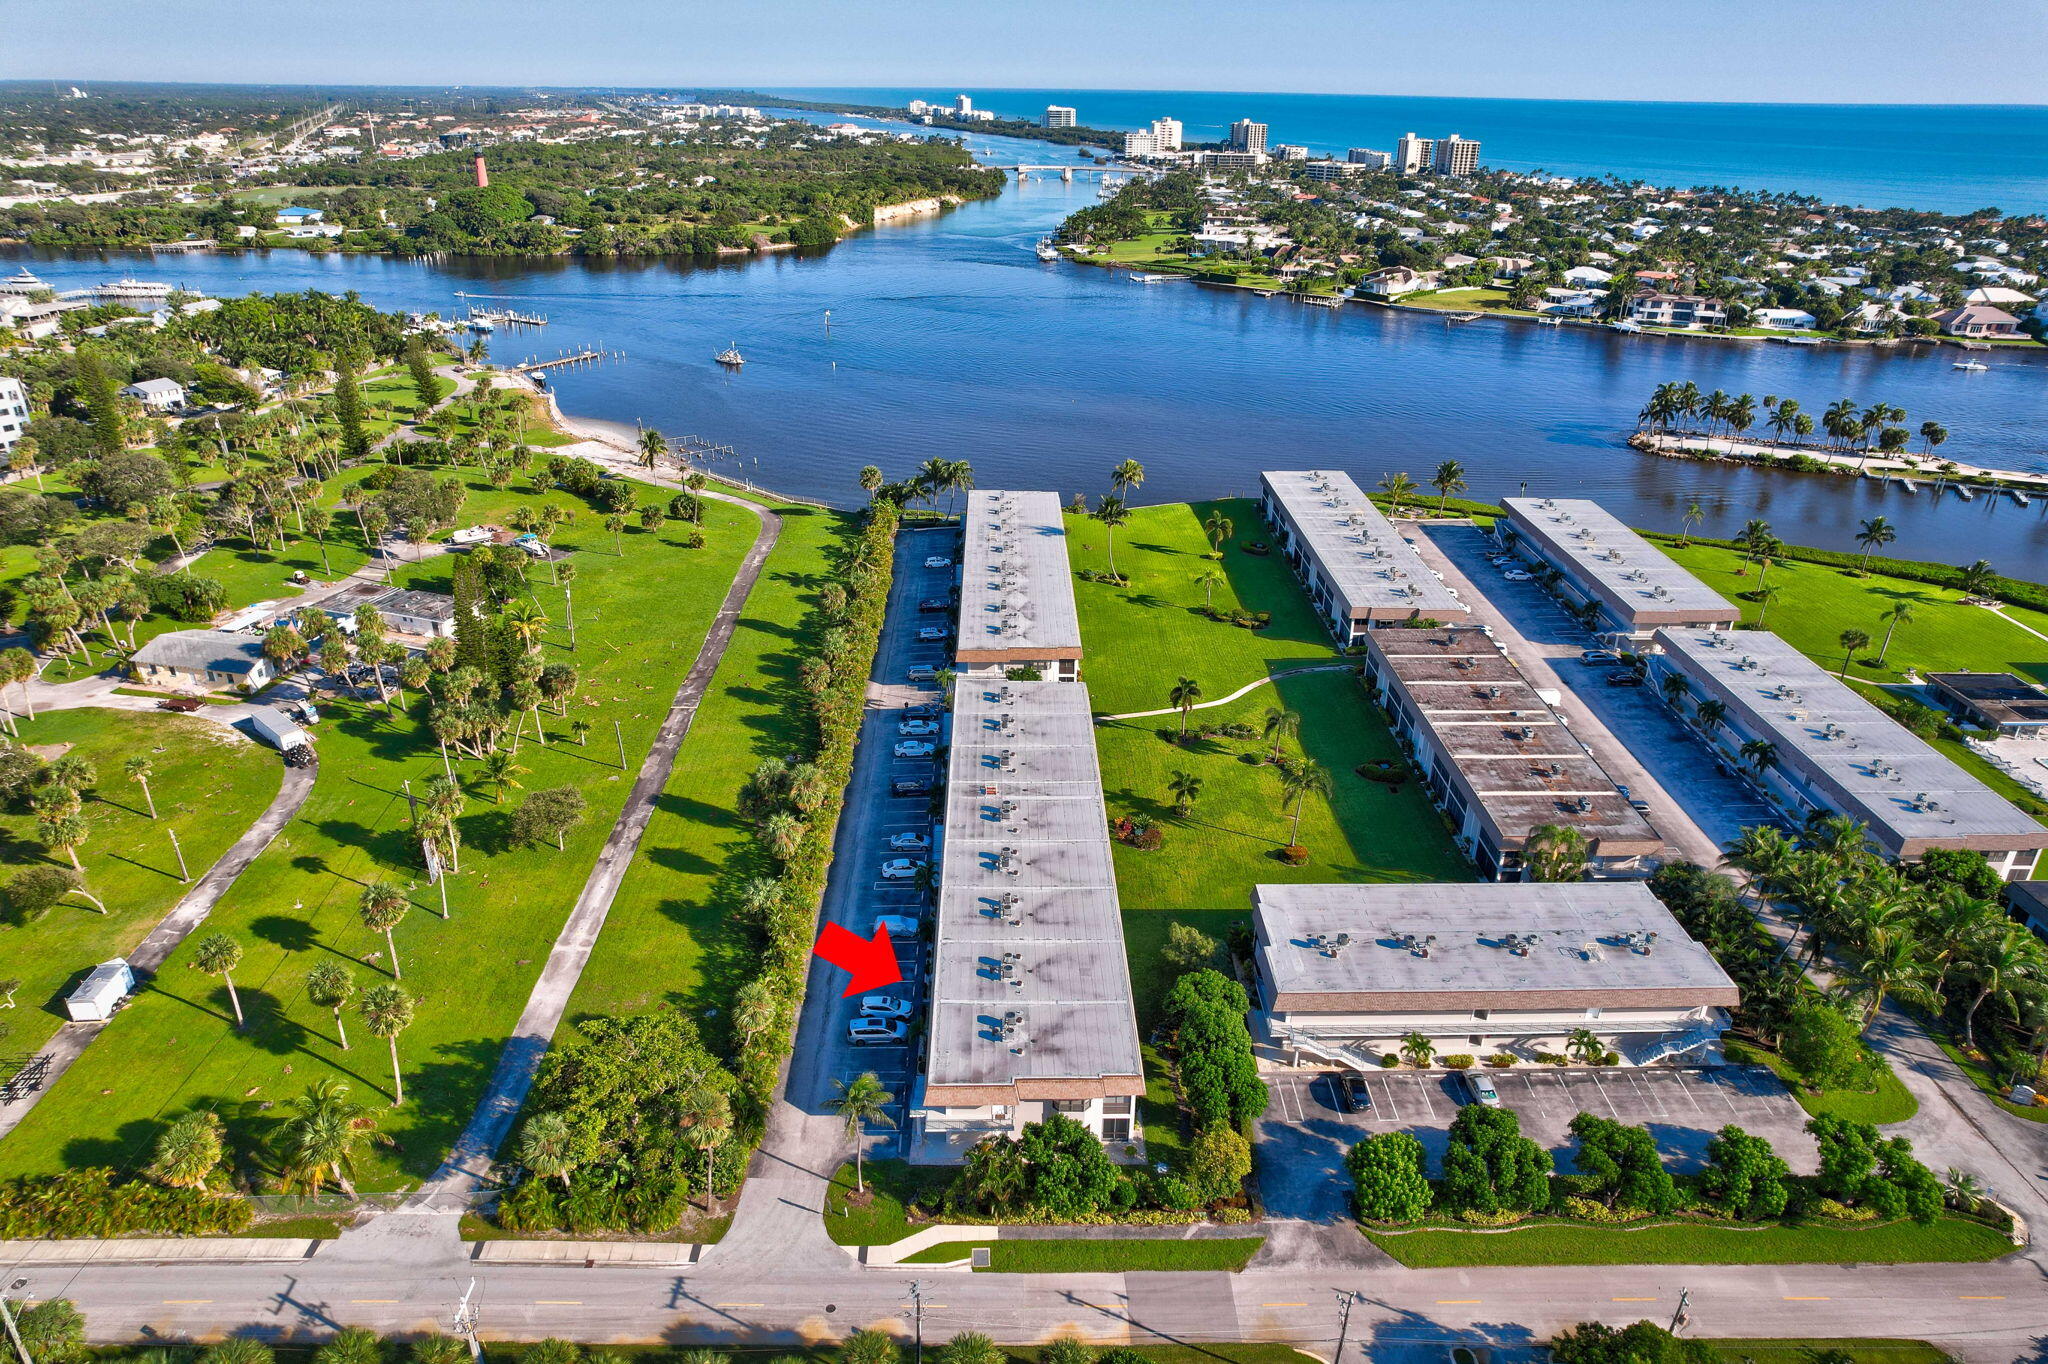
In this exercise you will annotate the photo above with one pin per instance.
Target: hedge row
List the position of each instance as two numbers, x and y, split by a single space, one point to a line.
89 1203
2017 591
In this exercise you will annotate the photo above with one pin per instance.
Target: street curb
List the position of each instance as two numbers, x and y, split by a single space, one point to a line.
159 1250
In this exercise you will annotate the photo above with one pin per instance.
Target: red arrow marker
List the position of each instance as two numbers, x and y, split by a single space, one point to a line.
871 961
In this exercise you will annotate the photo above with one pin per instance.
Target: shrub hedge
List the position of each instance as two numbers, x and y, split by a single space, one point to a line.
89 1203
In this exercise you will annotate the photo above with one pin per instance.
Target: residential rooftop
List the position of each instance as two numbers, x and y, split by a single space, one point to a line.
2000 698
214 651
1030 988
1639 584
1855 758
1016 585
1466 945
1356 549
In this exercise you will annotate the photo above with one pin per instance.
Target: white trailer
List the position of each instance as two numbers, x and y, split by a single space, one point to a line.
275 729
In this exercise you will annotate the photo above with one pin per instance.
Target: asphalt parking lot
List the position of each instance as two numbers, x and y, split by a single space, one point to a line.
1305 1133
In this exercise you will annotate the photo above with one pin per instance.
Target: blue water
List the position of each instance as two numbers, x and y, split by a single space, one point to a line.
948 337
1953 158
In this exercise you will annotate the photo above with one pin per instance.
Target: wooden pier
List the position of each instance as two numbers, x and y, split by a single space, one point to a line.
581 357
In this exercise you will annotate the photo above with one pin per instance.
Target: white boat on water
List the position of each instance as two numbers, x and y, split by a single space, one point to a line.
1548 320
133 288
1909 485
482 324
1140 277
1046 250
1969 364
1802 340
731 357
2018 496
1963 492
1624 325
21 282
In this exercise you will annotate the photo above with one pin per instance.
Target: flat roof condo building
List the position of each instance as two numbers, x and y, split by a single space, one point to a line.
13 413
1495 757
1413 154
1247 136
1369 157
1166 134
1359 572
1016 587
1058 116
1837 753
1638 587
2002 702
1031 1007
1345 972
1455 155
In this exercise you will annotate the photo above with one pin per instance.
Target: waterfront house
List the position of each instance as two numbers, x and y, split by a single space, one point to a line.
1684 312
1397 280
1998 296
1588 277
1978 319
299 217
157 395
1783 320
207 659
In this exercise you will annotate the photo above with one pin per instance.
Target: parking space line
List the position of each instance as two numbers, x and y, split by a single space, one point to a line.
1612 1111
1387 1093
1536 1095
1685 1087
1428 1104
1649 1089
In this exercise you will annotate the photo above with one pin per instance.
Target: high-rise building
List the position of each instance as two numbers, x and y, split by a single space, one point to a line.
1140 144
962 106
918 107
1369 157
1247 136
1289 151
1057 116
13 414
1456 156
1413 154
1166 134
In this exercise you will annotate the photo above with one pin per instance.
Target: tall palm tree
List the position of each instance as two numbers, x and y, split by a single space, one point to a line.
1126 476
1185 693
653 446
1760 754
547 1147
1875 534
330 985
1396 487
324 1137
1280 726
387 1012
218 955
1694 514
862 1101
1218 528
1974 580
189 1150
1298 781
1851 641
140 770
1901 611
1555 852
1585 1044
1675 689
1184 787
526 619
382 907
1710 714
1210 579
1932 434
1449 478
1765 596
500 773
1112 513
2001 965
65 833
1890 964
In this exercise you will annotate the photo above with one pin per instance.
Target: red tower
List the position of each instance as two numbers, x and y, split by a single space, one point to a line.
483 174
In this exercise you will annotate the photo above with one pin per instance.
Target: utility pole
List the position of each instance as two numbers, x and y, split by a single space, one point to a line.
7 1316
464 1325
1678 1317
1345 1297
620 735
916 1318
183 875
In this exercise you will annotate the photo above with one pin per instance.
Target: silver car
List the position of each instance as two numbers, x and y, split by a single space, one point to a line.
1480 1086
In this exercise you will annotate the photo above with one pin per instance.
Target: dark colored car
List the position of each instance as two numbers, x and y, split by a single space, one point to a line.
930 710
910 786
1351 1090
1624 679
936 604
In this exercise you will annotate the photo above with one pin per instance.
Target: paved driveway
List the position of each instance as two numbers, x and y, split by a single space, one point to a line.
1306 1130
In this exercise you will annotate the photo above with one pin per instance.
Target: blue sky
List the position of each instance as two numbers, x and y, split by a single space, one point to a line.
1837 51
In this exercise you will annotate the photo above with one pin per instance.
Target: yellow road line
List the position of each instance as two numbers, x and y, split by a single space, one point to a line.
558 1302
369 1300
1457 1302
1816 1299
1631 1300
738 1304
185 1302
1981 1297
1283 1304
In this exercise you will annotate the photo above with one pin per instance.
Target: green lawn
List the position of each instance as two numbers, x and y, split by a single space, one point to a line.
1482 300
1949 1240
1063 1256
1986 1083
1878 1351
1815 603
665 939
209 787
883 1219
641 617
1889 1102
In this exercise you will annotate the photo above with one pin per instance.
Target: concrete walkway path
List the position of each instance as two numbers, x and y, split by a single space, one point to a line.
185 916
1247 687
463 1171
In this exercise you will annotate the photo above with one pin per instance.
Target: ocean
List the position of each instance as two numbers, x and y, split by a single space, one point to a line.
1952 158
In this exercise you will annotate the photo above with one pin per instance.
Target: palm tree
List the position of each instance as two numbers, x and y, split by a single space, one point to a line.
1555 852
526 619
1449 478
382 906
754 1008
1760 754
1184 788
324 1136
1218 528
2002 964
1851 641
1280 725
329 985
1675 689
140 770
1875 534
1933 433
1112 513
616 524
1891 963
188 1150
1210 579
1297 782
218 955
862 1101
1396 487
1127 475
579 730
1765 596
1900 612
1976 579
547 1147
1419 1049
1185 693
499 774
1585 1044
1710 714
66 833
387 1012
653 445
1694 514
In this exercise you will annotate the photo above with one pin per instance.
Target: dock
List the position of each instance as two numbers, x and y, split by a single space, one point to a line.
581 357
509 316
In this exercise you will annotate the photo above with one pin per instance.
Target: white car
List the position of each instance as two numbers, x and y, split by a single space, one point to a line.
1516 575
937 561
914 748
909 842
884 1006
1480 1086
901 927
917 729
933 634
876 1032
901 868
